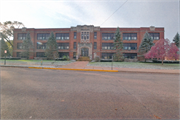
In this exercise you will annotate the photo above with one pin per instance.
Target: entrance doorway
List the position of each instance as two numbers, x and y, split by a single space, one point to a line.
84 51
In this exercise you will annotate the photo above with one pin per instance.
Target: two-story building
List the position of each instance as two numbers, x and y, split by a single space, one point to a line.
85 40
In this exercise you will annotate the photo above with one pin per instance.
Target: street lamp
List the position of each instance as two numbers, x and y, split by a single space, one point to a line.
5 51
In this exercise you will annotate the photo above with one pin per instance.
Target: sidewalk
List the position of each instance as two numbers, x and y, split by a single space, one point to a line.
82 65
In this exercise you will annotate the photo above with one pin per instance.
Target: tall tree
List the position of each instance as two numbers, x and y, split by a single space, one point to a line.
173 52
145 45
27 46
177 39
118 45
51 47
159 50
6 29
4 47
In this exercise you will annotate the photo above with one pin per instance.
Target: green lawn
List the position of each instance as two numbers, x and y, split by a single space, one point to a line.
136 65
34 62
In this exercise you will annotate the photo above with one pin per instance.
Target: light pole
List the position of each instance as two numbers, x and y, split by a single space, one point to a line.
5 51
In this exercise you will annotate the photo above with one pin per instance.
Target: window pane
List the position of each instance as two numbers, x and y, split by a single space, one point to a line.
75 35
95 35
95 45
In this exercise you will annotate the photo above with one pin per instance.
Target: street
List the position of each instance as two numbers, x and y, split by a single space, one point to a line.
59 94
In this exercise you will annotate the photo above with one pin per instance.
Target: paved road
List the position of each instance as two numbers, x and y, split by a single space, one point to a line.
56 94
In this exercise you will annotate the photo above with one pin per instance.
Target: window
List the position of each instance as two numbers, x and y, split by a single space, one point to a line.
109 46
62 36
107 55
95 35
75 35
61 54
21 36
43 36
74 46
74 54
40 54
43 46
130 46
130 55
129 36
84 35
63 45
95 45
154 36
18 54
108 36
19 45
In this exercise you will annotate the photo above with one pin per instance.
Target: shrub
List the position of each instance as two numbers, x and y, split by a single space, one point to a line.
97 59
65 57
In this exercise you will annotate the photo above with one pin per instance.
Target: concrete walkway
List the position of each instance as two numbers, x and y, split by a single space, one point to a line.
76 65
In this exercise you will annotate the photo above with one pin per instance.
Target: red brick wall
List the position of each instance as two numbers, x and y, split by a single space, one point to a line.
33 32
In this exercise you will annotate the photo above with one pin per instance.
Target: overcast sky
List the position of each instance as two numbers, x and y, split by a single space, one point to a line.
67 13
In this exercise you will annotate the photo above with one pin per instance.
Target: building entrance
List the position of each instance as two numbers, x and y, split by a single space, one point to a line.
84 51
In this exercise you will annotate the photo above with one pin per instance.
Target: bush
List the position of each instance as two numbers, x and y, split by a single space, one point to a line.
11 58
65 57
60 59
97 59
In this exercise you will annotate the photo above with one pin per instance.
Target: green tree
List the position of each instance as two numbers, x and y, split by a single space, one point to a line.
27 46
118 45
177 39
145 45
51 47
6 29
10 47
4 47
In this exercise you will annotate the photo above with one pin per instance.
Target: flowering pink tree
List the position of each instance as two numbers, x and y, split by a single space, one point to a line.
173 52
159 50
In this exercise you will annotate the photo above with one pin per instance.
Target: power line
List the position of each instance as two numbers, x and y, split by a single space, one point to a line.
114 12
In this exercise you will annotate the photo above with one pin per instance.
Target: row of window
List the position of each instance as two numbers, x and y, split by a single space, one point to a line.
129 36
103 55
108 36
62 36
105 46
108 46
85 36
130 46
154 36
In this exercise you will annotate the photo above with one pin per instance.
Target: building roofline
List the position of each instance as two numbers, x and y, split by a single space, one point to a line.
95 26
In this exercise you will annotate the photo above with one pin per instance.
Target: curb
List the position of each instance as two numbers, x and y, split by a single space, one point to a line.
129 71
73 69
148 72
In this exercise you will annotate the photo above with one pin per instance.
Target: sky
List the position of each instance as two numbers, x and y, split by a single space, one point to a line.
103 13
